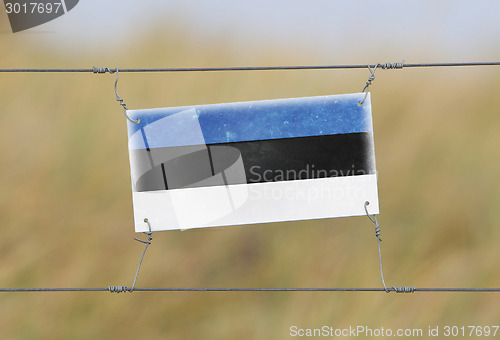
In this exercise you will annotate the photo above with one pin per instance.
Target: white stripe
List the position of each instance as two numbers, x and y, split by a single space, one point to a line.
255 203
64 6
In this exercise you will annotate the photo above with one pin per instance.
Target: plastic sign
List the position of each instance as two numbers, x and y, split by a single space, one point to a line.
252 162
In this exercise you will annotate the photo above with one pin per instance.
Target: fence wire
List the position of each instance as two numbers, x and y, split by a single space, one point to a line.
398 65
123 289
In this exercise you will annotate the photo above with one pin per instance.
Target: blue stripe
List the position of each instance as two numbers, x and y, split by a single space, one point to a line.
248 121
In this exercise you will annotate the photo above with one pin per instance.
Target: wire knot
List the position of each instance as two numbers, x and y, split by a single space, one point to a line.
402 289
118 289
368 83
374 220
378 232
148 241
147 233
392 66
103 70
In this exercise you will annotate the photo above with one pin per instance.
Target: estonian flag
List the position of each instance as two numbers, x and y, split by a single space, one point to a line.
252 162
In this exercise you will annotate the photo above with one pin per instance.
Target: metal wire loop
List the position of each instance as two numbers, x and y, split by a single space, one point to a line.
122 289
102 70
374 220
147 242
120 100
385 66
148 233
368 83
377 234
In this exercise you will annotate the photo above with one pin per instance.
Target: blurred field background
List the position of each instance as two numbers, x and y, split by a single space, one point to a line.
66 209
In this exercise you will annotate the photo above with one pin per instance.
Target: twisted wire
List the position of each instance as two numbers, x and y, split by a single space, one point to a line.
379 239
392 66
117 289
368 83
102 70
147 242
118 99
404 289
377 234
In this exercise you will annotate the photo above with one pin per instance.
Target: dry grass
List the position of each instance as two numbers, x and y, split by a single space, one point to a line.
66 214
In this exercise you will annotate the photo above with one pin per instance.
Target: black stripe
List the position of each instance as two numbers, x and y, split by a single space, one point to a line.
262 161
211 161
164 176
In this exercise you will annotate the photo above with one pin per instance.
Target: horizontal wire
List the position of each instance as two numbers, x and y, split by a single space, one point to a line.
242 68
423 290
